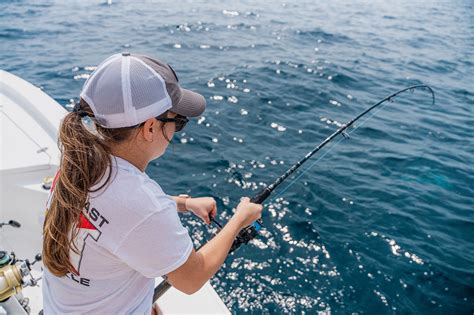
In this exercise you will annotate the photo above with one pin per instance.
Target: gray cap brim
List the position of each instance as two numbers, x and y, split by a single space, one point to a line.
191 104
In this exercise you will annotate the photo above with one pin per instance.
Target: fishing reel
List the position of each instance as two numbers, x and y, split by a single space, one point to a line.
246 235
15 274
250 232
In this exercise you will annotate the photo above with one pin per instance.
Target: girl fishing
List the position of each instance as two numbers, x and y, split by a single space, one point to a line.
110 229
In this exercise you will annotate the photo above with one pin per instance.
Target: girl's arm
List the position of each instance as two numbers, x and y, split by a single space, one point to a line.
203 264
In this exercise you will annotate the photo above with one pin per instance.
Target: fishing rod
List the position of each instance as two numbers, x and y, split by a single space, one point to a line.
250 232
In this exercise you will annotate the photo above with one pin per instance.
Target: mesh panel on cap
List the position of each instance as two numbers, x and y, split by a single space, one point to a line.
106 89
125 91
145 85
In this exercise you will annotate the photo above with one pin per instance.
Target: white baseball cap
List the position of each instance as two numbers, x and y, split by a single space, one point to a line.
127 89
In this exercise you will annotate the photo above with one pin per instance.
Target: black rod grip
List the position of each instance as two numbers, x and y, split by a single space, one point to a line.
261 196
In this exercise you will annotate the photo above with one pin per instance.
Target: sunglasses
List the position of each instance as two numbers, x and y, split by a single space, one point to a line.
179 120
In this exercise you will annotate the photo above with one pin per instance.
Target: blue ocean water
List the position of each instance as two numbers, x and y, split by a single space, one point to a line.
384 223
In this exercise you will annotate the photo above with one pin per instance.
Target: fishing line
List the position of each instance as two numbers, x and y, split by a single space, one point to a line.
281 192
326 153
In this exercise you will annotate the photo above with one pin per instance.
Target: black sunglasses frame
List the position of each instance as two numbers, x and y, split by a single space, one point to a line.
179 120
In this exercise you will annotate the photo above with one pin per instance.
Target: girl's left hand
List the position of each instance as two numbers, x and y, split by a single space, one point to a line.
202 207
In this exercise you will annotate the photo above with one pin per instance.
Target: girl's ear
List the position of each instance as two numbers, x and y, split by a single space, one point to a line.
148 129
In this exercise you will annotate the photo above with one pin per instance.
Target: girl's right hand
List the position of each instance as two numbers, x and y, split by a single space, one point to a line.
247 212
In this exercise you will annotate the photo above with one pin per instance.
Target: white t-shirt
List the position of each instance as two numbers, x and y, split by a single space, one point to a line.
129 234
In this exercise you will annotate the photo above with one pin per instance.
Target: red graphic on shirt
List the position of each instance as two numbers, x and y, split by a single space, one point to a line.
86 229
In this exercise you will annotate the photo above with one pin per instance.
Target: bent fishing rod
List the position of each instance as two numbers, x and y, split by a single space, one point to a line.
250 232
